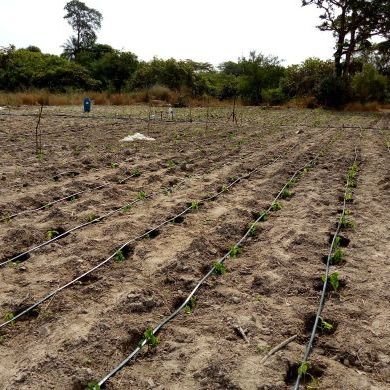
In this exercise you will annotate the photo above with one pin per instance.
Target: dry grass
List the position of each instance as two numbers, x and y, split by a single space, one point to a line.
366 107
46 98
302 102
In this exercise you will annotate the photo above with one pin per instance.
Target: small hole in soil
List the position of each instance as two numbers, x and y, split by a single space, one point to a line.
89 279
292 373
72 198
55 232
177 302
324 326
153 233
343 241
127 251
131 341
20 259
179 219
34 313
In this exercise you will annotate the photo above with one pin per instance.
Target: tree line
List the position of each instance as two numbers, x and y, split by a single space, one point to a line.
360 69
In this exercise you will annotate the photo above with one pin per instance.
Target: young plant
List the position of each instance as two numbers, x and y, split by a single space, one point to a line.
126 208
91 217
150 338
286 194
189 308
235 250
141 195
93 386
346 223
263 216
136 172
171 164
348 196
303 368
119 256
219 268
276 206
252 229
9 316
52 234
337 256
334 280
325 326
194 205
114 165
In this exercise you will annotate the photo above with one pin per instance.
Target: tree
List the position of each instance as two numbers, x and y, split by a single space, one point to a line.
354 23
85 22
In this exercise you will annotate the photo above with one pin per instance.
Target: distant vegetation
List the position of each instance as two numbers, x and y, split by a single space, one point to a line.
360 71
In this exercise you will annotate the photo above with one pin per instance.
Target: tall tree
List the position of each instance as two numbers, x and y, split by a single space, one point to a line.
354 23
85 22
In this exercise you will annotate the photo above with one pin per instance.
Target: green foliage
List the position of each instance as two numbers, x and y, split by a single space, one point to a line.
303 368
276 206
93 386
234 251
52 234
369 85
141 195
273 96
194 205
119 257
337 256
219 268
151 340
286 194
190 307
252 229
9 316
263 216
334 280
346 223
333 92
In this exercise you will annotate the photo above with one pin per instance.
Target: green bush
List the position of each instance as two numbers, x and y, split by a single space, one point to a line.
333 92
273 96
369 85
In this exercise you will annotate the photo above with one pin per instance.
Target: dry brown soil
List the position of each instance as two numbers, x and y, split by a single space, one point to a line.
270 291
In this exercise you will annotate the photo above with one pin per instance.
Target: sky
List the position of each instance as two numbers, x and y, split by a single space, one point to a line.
202 30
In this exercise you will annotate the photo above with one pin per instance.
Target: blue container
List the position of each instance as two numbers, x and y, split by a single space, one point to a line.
87 104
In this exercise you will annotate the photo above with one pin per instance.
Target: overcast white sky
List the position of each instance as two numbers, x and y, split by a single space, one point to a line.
203 30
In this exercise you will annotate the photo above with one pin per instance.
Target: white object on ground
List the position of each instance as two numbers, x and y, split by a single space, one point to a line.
137 137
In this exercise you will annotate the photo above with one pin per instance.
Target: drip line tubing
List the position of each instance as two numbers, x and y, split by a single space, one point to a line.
309 345
29 211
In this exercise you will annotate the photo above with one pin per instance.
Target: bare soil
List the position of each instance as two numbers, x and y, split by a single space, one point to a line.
270 291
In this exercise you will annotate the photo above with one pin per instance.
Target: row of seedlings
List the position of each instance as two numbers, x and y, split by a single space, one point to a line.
331 281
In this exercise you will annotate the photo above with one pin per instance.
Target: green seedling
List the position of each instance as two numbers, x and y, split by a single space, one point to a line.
337 256
346 223
276 206
52 234
119 256
348 196
136 172
171 164
219 268
194 205
150 338
333 280
127 208
314 384
235 250
9 316
141 195
326 326
291 183
263 216
114 165
224 188
286 194
303 368
93 386
252 229
91 217
189 308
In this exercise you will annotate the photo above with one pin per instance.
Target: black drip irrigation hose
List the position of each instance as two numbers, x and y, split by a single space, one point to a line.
309 345
205 277
146 234
45 206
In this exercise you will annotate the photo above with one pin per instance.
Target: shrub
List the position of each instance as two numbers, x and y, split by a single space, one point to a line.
273 96
333 92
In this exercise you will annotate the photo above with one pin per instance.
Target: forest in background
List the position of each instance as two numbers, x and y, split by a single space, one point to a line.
359 71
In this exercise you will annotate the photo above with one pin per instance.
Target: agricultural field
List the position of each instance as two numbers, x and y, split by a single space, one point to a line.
199 260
